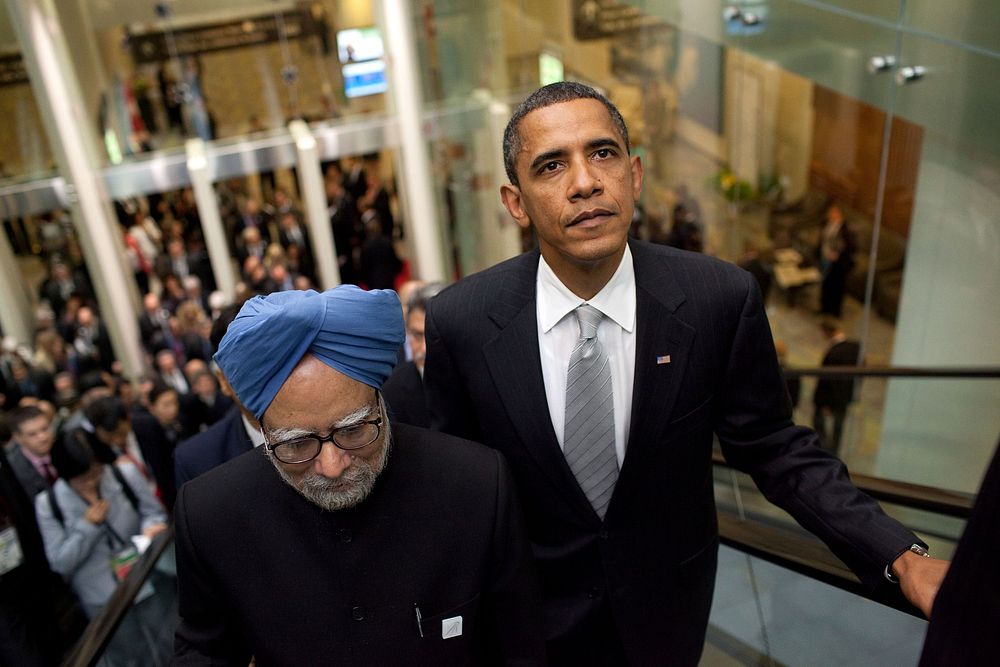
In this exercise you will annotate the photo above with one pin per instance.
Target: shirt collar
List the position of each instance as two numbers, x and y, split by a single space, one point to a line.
616 299
256 437
36 461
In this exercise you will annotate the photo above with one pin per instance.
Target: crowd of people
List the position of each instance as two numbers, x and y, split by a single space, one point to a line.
98 447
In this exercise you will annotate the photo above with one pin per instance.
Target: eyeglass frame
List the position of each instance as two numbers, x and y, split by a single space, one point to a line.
377 422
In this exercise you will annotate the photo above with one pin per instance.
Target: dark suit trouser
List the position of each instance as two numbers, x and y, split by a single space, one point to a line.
830 435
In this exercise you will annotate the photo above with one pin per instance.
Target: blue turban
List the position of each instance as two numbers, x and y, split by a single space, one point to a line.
355 332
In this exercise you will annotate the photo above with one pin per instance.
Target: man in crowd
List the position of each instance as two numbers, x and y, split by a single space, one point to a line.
602 368
833 395
235 433
404 390
31 459
321 542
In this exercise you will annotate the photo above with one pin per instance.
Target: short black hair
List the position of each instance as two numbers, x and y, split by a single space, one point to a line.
159 389
75 456
23 414
554 93
221 324
106 413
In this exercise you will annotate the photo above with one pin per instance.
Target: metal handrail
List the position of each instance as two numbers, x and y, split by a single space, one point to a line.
915 496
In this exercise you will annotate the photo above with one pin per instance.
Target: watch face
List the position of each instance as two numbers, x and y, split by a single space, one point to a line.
919 550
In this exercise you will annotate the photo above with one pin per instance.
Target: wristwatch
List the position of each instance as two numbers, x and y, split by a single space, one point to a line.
915 548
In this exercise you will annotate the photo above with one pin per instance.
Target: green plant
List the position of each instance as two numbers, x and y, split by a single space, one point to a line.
733 188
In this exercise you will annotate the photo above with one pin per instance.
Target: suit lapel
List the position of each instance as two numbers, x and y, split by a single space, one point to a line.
514 363
661 356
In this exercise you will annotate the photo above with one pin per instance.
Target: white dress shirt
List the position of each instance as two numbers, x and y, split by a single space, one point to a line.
558 332
256 437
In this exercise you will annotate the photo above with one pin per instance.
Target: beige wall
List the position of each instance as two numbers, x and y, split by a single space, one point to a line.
769 122
24 148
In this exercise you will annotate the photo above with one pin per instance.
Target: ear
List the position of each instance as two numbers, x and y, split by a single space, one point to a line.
636 177
511 196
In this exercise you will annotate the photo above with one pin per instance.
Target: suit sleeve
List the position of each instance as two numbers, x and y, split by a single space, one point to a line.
514 600
204 635
449 404
755 429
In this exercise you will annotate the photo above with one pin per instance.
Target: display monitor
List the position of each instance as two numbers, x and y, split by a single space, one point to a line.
364 78
356 45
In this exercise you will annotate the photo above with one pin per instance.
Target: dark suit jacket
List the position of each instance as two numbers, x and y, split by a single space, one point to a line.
27 475
225 439
404 393
652 560
196 413
837 392
262 571
966 614
157 448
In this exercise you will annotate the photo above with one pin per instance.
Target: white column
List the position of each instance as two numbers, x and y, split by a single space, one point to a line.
404 82
15 307
501 235
211 221
314 200
70 132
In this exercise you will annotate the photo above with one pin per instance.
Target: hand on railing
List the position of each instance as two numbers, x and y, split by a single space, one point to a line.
920 578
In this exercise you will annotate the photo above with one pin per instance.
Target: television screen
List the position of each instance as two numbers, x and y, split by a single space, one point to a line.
365 78
356 45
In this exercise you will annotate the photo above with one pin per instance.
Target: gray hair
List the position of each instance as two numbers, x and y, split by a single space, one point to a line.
554 93
420 296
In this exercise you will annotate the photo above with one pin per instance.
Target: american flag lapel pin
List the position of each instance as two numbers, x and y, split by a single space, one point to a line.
664 359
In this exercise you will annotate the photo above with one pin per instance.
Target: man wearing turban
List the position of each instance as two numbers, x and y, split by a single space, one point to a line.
346 538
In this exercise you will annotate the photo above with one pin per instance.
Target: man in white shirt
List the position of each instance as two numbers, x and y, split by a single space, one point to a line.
602 367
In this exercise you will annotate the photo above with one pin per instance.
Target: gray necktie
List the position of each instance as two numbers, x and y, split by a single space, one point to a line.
589 437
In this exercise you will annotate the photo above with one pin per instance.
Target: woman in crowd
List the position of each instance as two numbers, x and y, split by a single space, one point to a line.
89 516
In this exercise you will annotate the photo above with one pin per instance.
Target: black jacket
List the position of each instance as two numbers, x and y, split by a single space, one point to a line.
264 572
652 560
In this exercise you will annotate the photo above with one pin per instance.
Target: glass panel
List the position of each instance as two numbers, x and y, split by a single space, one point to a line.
887 10
766 614
830 48
943 432
972 22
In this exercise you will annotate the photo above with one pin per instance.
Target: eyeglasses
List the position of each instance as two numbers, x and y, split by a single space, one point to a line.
348 438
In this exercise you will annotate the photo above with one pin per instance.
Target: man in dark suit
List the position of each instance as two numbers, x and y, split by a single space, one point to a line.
319 545
404 390
836 259
31 458
833 395
28 622
601 368
227 438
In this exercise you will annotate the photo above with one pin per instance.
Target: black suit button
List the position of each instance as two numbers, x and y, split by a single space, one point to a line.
358 613
594 593
604 534
346 535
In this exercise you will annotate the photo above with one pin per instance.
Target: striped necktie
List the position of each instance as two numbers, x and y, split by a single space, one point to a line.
589 436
